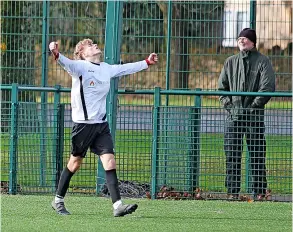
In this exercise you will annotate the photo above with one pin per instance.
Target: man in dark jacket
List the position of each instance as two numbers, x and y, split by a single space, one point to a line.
248 71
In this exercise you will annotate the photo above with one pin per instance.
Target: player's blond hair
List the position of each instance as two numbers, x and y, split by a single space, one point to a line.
79 48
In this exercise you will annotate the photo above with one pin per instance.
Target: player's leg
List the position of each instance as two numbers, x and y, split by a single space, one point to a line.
71 168
103 146
109 165
82 136
257 150
233 145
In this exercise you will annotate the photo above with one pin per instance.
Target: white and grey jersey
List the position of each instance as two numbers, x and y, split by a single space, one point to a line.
91 84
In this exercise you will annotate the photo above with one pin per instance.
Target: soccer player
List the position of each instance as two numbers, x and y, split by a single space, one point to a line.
90 86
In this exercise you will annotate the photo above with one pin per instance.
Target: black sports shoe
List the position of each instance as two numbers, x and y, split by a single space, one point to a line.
124 209
60 208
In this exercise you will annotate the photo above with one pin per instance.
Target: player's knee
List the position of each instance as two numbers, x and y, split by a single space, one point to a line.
74 164
108 161
111 164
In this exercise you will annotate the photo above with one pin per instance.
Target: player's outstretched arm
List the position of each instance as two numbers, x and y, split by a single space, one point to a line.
130 68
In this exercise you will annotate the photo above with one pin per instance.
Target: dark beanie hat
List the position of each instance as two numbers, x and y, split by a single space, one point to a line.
249 34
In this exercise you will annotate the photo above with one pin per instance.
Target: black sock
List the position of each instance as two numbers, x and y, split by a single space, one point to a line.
64 182
112 183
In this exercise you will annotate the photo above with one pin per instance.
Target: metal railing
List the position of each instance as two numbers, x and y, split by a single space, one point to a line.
156 144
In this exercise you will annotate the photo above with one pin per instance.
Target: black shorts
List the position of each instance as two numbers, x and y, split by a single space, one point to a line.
96 136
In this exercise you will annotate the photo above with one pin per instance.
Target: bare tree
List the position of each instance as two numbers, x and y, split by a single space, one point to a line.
179 57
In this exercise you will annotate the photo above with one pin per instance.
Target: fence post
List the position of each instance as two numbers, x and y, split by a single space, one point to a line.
194 147
253 14
43 149
13 140
248 186
60 142
168 58
113 36
196 135
55 142
157 103
166 109
44 95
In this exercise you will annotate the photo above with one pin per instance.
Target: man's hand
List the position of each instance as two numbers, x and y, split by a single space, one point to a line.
228 106
152 59
53 46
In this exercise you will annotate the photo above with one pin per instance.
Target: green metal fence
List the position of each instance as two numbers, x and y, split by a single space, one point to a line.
156 145
192 38
151 128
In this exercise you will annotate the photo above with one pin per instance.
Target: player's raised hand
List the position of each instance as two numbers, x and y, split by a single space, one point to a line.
152 59
53 46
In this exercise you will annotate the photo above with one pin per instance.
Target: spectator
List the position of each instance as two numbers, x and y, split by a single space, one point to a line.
247 71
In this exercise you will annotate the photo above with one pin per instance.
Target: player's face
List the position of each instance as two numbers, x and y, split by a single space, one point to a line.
244 44
91 50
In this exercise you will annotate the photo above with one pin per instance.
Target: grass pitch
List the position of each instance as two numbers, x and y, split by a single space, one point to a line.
34 213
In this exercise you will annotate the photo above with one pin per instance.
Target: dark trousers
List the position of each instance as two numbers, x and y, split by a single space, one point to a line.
233 145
